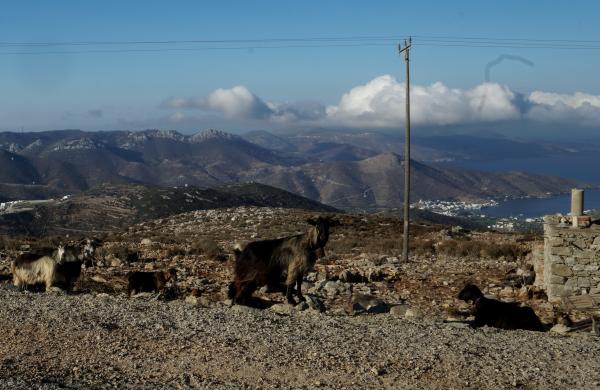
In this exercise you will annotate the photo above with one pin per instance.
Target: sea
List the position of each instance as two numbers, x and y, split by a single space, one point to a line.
584 167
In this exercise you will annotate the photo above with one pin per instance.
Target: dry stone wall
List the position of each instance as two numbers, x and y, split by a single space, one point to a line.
571 260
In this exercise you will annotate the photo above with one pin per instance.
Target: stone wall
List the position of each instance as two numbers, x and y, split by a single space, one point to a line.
571 260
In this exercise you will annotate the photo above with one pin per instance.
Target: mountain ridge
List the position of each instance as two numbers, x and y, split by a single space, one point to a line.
359 174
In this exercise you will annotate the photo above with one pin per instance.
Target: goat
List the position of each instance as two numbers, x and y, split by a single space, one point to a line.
139 281
499 314
264 262
61 266
88 250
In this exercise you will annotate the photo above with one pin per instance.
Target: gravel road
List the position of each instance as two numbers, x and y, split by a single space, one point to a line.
52 340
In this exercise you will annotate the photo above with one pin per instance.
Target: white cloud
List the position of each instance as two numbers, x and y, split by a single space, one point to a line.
240 103
580 108
380 103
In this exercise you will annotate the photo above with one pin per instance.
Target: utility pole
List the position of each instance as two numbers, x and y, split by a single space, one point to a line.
406 50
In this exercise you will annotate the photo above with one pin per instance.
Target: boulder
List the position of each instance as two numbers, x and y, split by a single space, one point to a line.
351 277
315 303
363 303
413 312
399 310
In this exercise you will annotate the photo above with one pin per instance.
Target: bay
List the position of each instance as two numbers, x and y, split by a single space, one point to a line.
584 167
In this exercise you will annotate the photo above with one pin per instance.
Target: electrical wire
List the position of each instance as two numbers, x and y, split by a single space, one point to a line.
82 47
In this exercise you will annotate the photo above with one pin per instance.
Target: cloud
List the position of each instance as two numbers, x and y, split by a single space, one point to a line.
237 102
580 108
381 103
240 103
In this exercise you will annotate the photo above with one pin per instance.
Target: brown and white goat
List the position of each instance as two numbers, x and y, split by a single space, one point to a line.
59 267
265 262
139 281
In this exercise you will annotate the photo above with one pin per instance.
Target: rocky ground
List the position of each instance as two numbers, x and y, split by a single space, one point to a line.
86 341
370 321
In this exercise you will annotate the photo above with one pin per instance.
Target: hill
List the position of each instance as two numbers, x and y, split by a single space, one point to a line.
377 182
113 207
354 170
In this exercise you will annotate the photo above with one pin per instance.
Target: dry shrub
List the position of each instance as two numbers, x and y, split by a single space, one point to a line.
176 250
120 252
508 250
422 246
206 247
460 248
468 248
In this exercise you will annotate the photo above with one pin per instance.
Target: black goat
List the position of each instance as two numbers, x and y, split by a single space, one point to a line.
499 314
265 262
139 281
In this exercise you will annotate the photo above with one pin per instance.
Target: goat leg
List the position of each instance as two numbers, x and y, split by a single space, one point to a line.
288 294
299 288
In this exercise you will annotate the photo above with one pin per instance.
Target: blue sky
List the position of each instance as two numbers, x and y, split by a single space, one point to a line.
137 89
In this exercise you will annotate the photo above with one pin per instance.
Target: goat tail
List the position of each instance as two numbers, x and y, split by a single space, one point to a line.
232 291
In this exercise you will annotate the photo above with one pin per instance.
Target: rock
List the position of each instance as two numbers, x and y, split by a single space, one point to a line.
146 242
331 287
143 295
457 324
282 308
559 328
399 310
116 262
366 303
244 309
56 290
375 275
192 300
413 312
351 277
315 303
311 277
393 260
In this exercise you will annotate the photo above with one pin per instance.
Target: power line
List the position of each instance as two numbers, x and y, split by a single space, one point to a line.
188 49
438 38
83 47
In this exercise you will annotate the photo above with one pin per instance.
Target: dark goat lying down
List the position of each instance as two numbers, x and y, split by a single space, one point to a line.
499 314
149 281
265 262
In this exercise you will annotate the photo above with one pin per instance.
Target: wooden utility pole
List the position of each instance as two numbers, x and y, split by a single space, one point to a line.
406 50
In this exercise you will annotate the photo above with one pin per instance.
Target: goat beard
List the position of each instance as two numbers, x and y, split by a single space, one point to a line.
320 253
